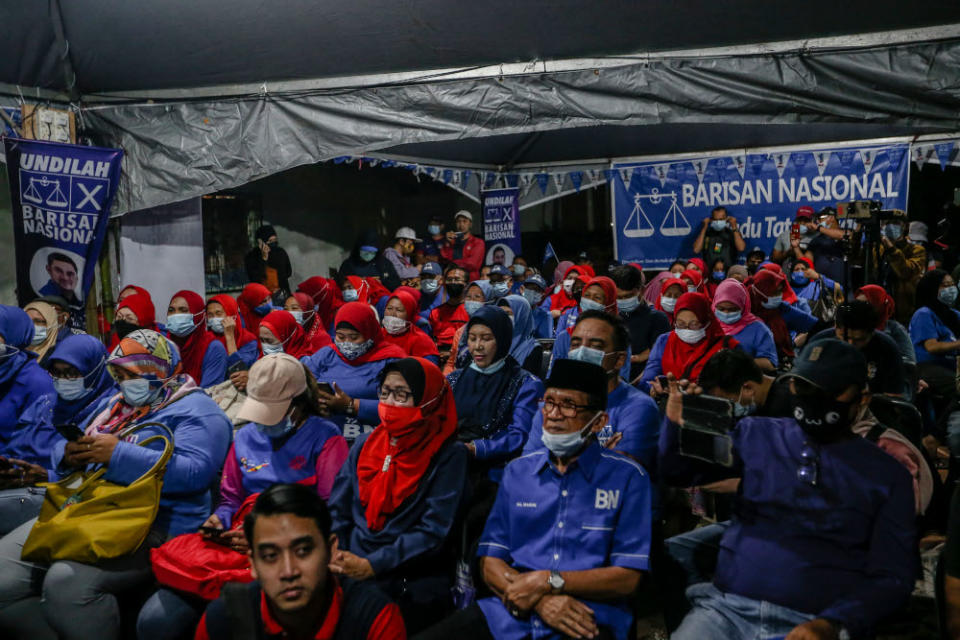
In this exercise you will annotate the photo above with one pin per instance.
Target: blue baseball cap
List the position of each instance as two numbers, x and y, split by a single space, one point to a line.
431 269
536 280
500 270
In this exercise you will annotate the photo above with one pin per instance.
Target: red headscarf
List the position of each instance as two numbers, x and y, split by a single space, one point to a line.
241 335
881 302
325 298
694 278
363 289
732 291
413 340
288 331
789 295
666 284
363 318
252 296
763 285
193 346
698 263
142 306
399 451
560 300
686 360
138 290
316 335
414 293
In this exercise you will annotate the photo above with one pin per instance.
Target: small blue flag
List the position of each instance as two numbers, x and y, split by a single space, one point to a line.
543 180
548 253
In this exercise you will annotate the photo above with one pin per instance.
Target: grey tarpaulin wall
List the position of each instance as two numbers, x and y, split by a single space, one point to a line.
317 81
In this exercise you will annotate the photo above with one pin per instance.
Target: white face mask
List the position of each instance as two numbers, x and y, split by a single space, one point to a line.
394 325
564 445
668 304
772 302
568 285
691 336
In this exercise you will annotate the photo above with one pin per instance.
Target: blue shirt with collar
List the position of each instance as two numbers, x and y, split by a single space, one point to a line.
756 340
595 515
843 550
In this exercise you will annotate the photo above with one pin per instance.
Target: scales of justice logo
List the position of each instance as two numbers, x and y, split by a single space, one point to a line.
674 222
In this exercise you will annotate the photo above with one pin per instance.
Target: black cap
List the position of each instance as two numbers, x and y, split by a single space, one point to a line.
832 365
57 301
756 250
579 376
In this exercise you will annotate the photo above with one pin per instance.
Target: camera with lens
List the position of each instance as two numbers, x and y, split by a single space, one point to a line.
866 210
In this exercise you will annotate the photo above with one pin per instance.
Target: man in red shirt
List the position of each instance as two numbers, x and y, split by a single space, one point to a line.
462 247
295 595
446 318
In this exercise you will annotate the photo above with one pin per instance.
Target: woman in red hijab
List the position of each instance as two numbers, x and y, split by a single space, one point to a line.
883 304
696 337
602 293
670 291
204 358
350 367
254 303
132 289
355 289
697 264
399 323
134 312
397 496
326 300
767 290
789 295
281 333
300 306
564 299
223 321
694 280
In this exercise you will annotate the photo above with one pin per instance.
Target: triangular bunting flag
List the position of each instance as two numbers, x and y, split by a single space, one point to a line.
466 178
894 158
740 163
526 179
447 176
823 159
780 162
868 156
756 163
457 178
543 181
920 155
626 174
661 171
488 179
558 180
944 153
799 160
846 157
699 166
594 175
372 161
576 178
609 174
512 180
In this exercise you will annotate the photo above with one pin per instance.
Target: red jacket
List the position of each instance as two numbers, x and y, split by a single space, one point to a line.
471 257
445 320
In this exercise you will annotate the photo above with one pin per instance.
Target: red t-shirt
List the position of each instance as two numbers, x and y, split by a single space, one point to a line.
445 321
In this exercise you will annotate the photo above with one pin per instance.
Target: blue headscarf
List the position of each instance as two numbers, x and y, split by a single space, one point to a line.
485 286
463 356
523 341
89 357
16 327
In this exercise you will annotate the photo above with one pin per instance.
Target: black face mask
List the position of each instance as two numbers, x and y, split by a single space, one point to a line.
273 245
124 328
822 417
455 289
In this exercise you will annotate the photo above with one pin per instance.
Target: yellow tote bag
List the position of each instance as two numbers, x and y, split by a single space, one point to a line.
98 519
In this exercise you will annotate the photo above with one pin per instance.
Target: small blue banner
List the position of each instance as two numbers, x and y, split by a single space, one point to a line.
501 225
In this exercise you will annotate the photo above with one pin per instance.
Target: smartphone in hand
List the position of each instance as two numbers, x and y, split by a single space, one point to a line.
70 431
213 531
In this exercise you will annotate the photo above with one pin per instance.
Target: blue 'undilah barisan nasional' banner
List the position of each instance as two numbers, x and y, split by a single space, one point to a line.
659 205
61 196
501 225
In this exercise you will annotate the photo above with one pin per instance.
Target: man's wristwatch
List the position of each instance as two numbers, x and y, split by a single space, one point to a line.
556 582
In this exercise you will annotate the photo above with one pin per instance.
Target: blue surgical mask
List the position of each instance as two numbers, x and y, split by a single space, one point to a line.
691 336
947 295
471 307
772 302
70 389
180 324
719 275
799 279
718 225
367 256
500 289
728 317
565 445
802 228
743 410
668 304
270 349
531 296
628 305
298 316
433 229
587 354
353 350
429 286
39 335
351 295
691 288
493 368
893 231
519 270
278 430
263 309
138 392
215 324
586 304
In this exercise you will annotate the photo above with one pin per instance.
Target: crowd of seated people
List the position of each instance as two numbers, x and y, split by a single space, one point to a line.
427 446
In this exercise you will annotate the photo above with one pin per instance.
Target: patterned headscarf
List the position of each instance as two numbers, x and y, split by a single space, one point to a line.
147 354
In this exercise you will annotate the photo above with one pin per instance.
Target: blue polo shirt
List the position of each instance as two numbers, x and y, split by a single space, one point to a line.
925 325
595 515
757 341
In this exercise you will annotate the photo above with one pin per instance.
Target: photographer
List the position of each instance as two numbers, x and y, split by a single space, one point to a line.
901 264
719 238
822 543
826 248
